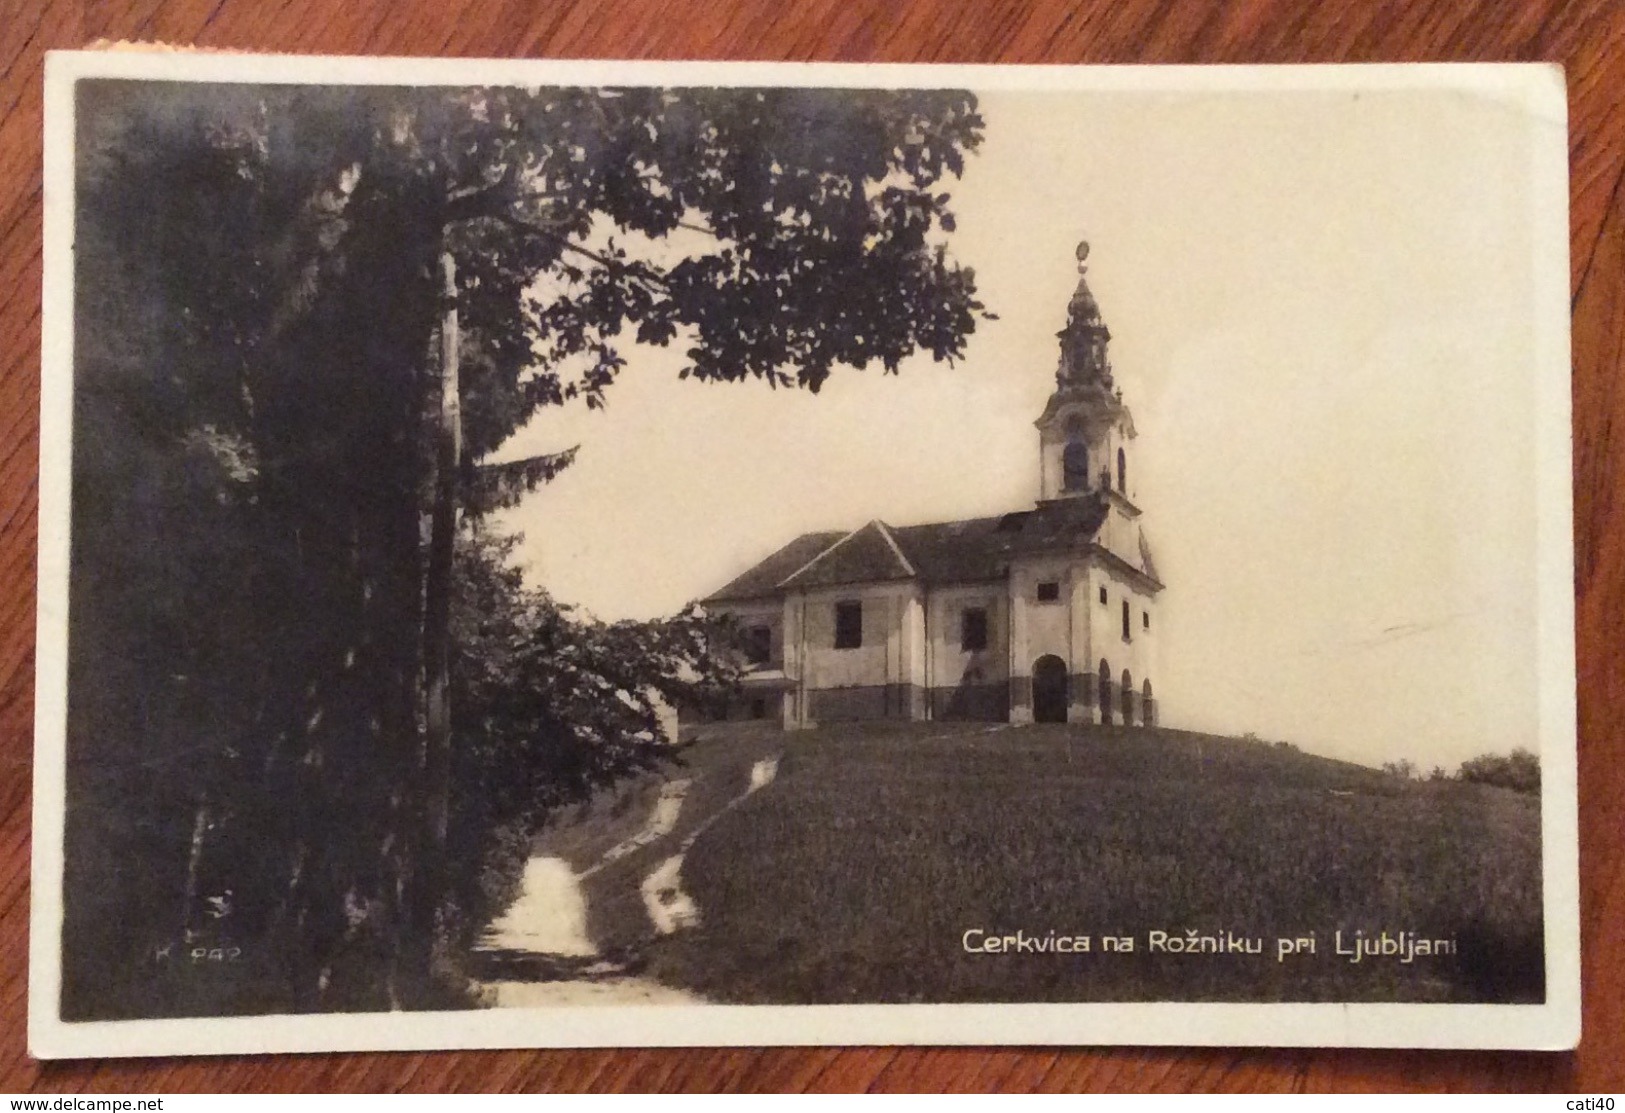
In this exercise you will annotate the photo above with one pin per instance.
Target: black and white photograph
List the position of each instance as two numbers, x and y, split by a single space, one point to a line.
623 554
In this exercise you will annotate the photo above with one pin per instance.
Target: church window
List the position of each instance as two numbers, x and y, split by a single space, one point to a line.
1147 707
1128 699
1145 620
973 629
1075 466
1126 635
1103 596
759 645
1122 472
1049 591
848 625
1105 691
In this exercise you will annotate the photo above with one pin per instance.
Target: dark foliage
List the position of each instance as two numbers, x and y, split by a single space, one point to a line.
550 706
252 793
1519 771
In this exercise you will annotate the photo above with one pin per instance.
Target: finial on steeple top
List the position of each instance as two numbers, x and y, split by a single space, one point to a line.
1083 340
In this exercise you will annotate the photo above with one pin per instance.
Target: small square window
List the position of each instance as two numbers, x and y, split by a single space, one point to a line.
973 629
1102 596
1145 620
1049 591
848 625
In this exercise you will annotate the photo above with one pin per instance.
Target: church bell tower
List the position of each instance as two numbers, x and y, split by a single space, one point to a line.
1085 431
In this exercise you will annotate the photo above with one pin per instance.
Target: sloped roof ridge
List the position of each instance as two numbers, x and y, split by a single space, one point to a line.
820 555
875 525
886 532
1146 560
750 583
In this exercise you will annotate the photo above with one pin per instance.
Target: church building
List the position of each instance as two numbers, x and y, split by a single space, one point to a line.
1046 614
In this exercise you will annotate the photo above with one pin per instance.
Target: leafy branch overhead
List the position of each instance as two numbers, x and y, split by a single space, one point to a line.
771 233
800 229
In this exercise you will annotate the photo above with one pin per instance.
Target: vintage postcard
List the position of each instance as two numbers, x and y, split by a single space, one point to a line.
641 554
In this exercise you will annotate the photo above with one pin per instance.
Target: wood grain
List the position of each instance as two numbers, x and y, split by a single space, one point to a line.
1588 38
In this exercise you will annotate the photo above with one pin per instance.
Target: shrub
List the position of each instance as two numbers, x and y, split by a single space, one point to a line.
550 705
1519 771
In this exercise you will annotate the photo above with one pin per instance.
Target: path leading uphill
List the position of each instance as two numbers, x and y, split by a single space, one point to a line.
573 935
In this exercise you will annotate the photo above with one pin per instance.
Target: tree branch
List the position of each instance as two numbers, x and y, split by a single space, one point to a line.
472 201
568 244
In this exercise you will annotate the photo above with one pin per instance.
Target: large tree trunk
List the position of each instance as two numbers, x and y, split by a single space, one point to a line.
435 784
354 444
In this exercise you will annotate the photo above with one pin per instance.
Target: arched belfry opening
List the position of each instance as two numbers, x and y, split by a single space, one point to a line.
1122 472
1049 689
1075 466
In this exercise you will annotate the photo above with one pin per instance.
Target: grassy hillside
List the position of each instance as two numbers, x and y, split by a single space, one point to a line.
855 876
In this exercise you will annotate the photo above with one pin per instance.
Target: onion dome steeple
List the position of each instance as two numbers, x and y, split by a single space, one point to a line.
1085 430
1084 361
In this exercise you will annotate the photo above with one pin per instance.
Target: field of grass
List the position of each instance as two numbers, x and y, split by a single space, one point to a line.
856 874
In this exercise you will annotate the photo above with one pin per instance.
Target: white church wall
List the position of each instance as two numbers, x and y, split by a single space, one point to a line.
1047 626
876 679
1080 666
1138 652
911 631
1120 534
968 683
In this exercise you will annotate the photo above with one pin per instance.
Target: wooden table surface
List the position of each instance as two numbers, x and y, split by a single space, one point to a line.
1587 38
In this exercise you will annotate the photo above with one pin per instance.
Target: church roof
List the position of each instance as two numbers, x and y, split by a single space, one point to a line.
763 580
1149 565
967 551
863 556
982 548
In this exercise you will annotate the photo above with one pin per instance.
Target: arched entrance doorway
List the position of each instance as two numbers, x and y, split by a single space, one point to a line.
1049 690
1105 691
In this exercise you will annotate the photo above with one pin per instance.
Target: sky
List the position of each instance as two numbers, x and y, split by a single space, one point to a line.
1321 307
